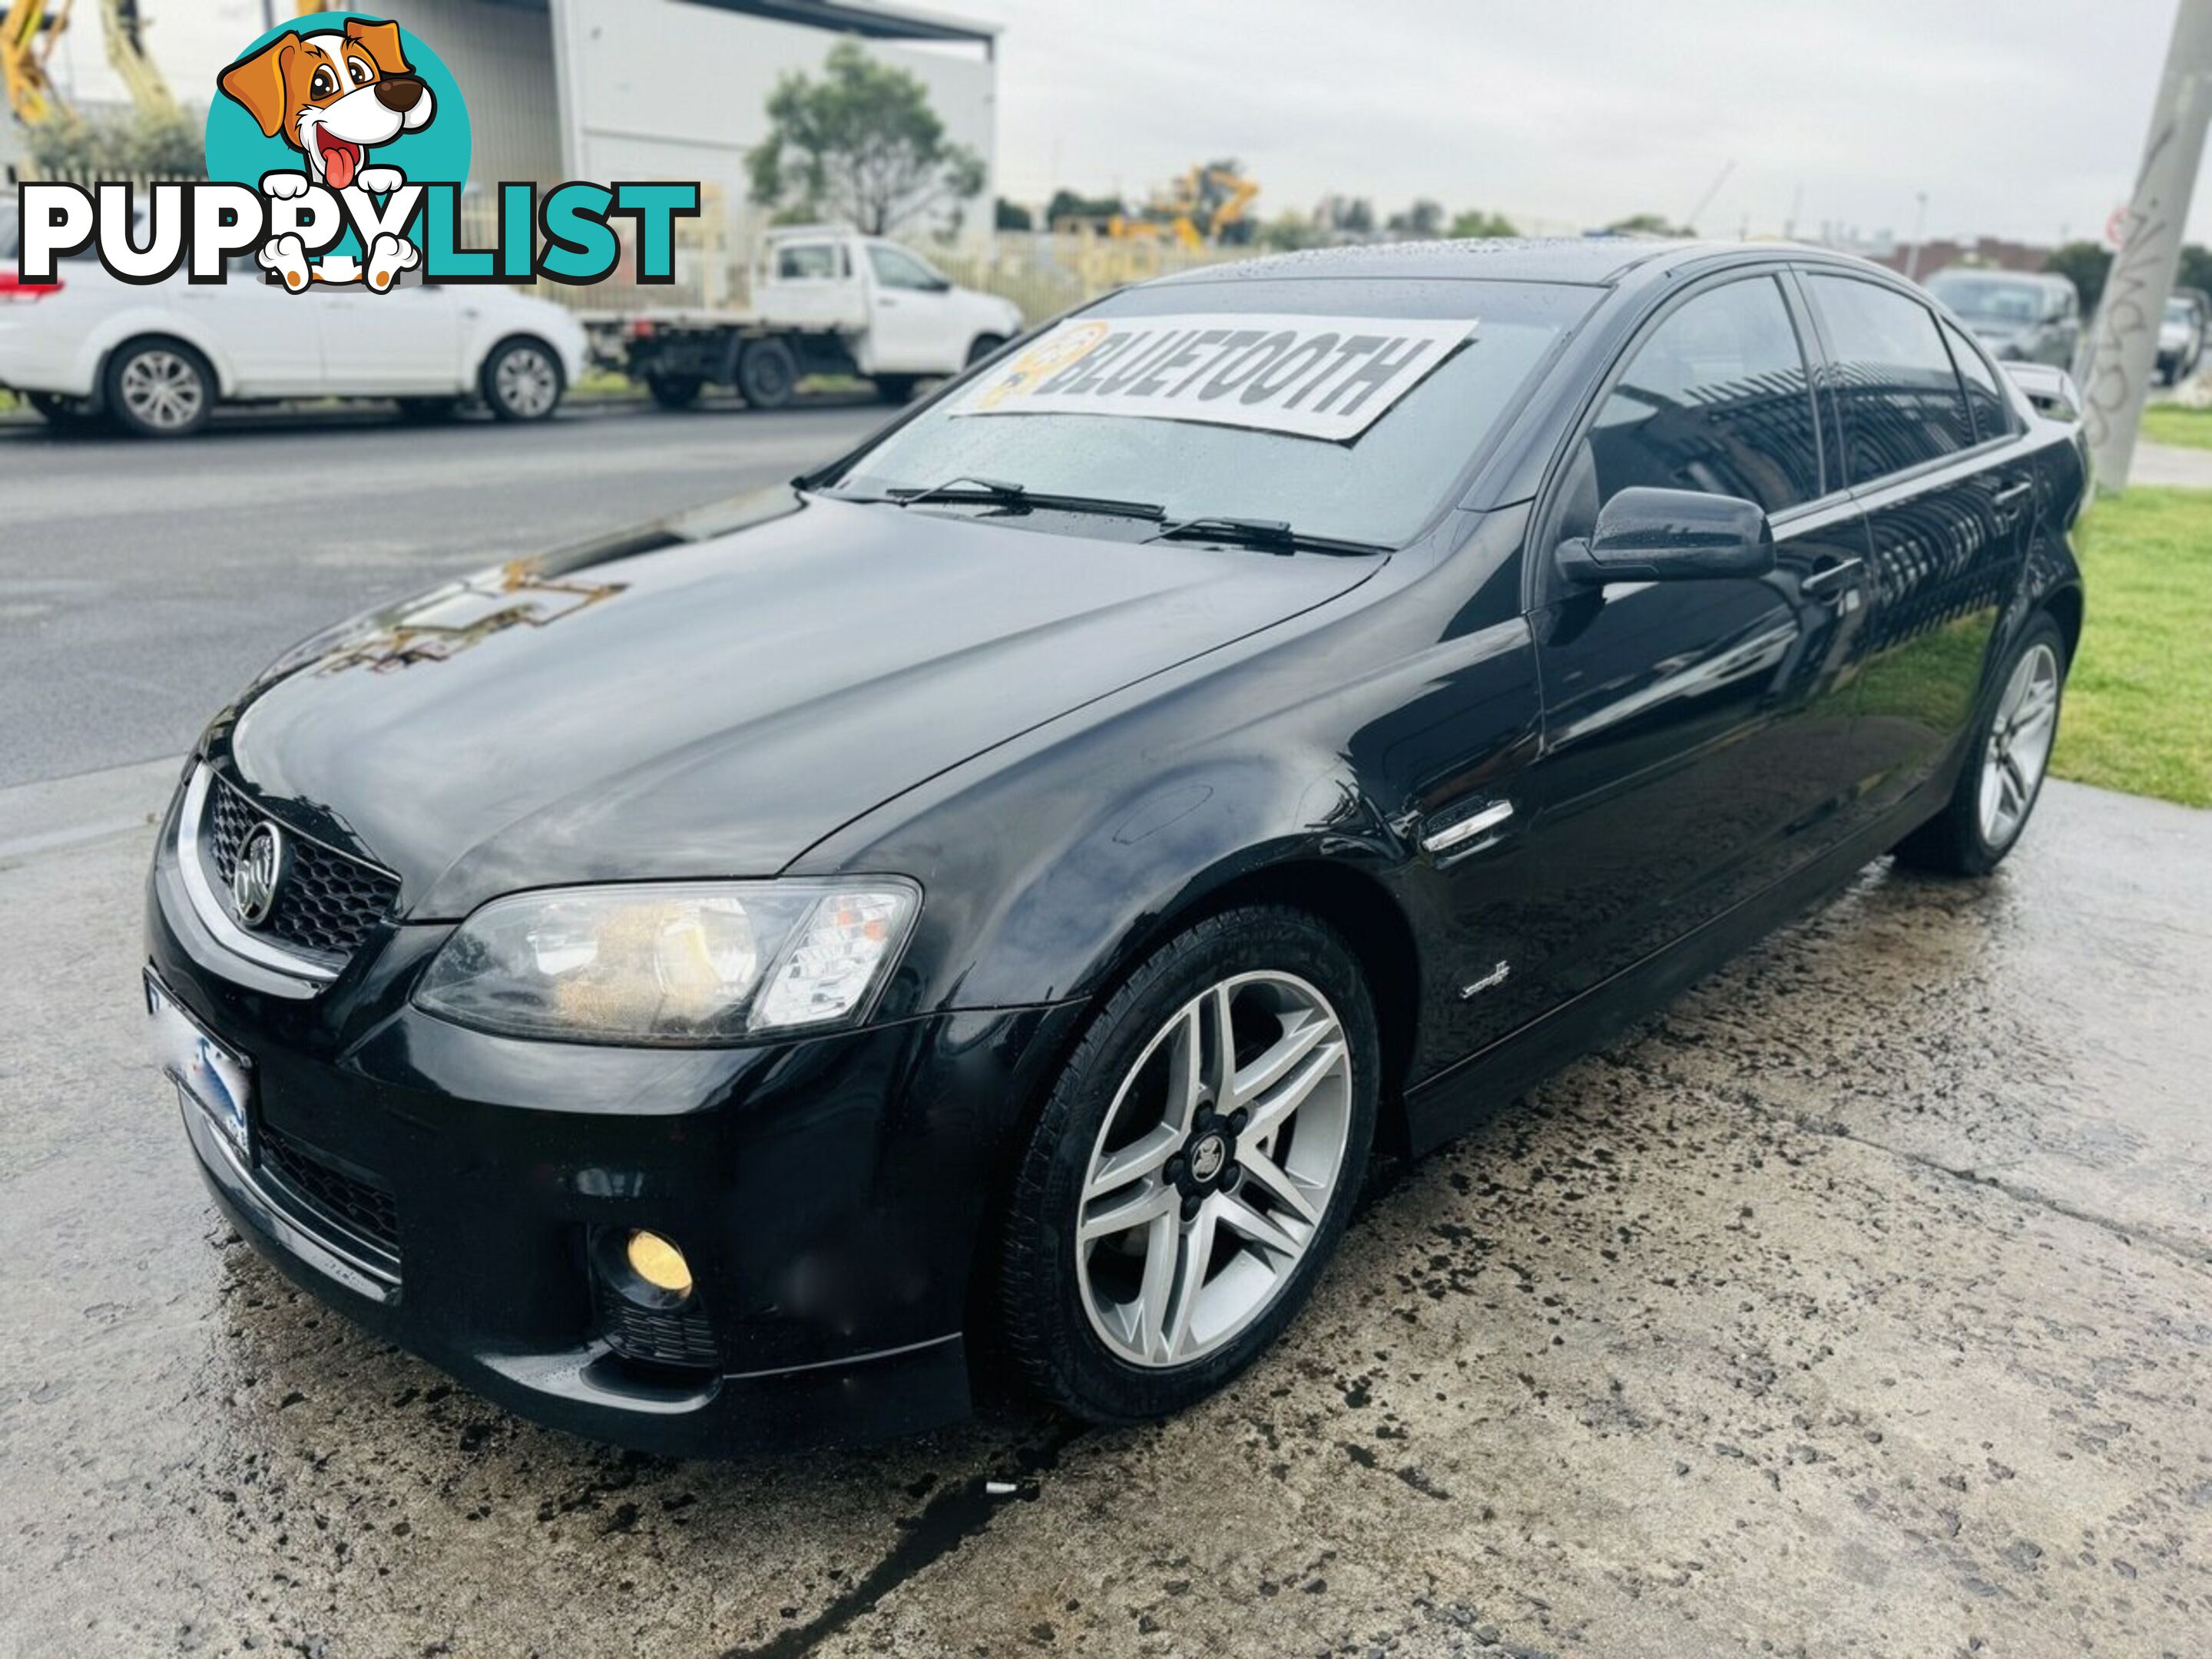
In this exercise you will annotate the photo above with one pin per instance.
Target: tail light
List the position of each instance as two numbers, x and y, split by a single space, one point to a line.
641 328
14 288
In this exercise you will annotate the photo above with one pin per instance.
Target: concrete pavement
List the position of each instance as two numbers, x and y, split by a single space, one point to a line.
1863 1303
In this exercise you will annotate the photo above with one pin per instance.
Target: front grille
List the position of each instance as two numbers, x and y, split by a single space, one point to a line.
681 1337
357 1206
327 903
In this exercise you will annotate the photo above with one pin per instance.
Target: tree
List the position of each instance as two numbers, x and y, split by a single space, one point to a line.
861 145
1291 230
1067 204
136 146
1421 221
2195 269
1010 216
1476 222
1647 224
2084 265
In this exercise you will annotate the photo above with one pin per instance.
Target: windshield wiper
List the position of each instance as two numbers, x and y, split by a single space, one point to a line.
968 486
1274 535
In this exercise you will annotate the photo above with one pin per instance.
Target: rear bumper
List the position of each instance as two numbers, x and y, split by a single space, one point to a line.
831 1195
43 354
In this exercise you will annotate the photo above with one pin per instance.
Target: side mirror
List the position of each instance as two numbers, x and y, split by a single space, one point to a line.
1671 535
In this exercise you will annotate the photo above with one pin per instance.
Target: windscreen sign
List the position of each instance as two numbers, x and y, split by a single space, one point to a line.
1311 377
337 151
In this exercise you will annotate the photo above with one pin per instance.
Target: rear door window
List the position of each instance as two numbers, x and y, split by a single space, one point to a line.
1901 399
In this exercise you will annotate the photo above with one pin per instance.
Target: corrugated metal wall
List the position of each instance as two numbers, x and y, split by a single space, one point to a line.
502 55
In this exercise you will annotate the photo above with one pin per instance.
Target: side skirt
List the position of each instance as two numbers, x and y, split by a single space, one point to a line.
1455 1100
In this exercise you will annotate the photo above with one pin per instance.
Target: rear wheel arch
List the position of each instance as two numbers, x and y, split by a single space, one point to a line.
481 380
2065 605
165 333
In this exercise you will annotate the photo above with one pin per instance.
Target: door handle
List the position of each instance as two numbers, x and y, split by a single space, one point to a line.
1819 580
2013 496
885 300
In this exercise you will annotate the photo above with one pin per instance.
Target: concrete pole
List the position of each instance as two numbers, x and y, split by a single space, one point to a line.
2122 351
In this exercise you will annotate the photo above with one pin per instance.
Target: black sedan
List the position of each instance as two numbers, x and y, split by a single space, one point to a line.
982 907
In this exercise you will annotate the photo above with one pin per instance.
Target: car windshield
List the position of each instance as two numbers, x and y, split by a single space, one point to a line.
2180 311
1989 299
1377 485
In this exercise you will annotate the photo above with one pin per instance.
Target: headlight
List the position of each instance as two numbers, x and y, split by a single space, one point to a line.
697 963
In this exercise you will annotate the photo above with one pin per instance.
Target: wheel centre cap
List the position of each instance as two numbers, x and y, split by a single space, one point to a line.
1208 1153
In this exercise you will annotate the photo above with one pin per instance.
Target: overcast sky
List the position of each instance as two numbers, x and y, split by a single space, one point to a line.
2018 117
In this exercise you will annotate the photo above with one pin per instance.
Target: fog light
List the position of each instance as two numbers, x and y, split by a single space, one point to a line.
659 1263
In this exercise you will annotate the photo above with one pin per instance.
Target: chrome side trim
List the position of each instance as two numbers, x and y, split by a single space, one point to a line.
209 907
1467 829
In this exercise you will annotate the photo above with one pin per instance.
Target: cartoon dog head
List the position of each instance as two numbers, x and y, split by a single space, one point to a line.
331 94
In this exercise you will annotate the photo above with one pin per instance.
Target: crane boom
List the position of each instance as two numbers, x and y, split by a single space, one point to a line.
28 33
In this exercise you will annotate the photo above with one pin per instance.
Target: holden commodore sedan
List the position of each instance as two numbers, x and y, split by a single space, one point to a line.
981 908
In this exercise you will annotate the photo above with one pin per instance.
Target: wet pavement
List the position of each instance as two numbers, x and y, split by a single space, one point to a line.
1862 1303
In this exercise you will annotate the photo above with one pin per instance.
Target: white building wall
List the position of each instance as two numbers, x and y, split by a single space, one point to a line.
674 89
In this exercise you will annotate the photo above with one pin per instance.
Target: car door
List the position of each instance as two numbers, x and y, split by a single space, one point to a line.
407 341
911 318
267 333
1950 507
1697 736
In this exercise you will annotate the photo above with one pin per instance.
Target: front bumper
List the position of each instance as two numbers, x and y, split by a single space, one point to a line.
831 1193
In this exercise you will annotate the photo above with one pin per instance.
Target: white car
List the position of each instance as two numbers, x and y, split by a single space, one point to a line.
156 360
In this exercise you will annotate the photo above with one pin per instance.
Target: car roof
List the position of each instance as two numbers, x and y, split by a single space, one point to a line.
1597 261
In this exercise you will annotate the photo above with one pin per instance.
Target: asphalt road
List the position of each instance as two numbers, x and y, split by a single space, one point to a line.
1861 1303
142 583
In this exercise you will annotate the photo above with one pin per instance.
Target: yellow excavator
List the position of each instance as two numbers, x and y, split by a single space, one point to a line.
1190 213
30 30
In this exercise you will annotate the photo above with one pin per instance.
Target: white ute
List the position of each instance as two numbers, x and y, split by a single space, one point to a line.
825 300
156 360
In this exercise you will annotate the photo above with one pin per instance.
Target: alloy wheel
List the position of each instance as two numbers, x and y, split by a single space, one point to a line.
527 383
162 390
2019 747
1215 1167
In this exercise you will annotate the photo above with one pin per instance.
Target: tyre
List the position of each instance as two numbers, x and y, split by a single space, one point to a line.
1193 1168
896 388
984 346
768 374
523 380
428 412
2008 756
72 415
674 390
159 388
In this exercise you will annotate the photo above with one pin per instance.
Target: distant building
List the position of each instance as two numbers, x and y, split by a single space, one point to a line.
1941 252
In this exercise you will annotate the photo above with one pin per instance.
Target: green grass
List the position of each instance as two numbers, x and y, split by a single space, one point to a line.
2177 423
2138 713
